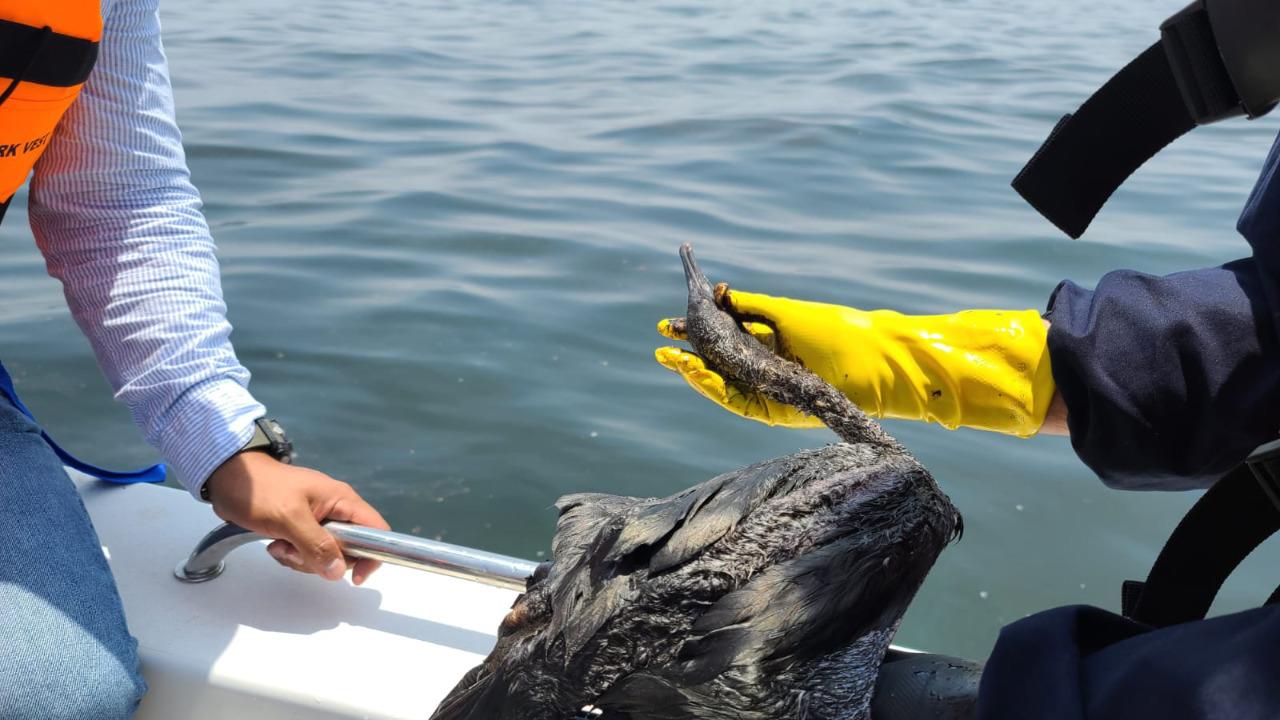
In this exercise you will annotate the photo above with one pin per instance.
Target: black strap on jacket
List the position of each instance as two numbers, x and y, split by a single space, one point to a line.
58 60
1092 152
1226 524
1212 63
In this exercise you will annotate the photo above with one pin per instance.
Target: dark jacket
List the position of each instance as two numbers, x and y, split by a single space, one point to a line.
1169 383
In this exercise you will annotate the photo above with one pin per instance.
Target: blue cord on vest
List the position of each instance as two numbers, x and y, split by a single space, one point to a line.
153 474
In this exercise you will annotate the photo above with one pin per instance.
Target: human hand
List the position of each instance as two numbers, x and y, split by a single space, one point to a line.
987 369
287 502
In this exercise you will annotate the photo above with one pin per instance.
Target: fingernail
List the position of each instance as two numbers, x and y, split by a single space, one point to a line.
335 569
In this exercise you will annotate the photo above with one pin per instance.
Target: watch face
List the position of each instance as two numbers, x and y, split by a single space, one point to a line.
280 447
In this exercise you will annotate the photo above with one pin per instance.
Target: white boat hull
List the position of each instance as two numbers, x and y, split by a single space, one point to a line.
262 642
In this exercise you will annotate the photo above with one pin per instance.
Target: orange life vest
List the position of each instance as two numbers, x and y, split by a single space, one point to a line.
47 48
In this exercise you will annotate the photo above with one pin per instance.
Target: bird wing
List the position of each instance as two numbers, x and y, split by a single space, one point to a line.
800 609
814 604
605 545
480 694
806 608
857 581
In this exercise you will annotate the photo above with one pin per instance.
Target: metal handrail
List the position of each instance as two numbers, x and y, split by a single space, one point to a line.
208 559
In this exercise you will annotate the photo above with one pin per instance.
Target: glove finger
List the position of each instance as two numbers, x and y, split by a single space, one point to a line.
690 366
677 360
776 414
763 334
730 395
673 328
734 397
693 369
741 302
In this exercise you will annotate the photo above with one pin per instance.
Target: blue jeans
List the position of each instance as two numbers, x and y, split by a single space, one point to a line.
65 651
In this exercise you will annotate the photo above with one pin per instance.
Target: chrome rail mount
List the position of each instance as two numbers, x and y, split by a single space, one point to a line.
208 559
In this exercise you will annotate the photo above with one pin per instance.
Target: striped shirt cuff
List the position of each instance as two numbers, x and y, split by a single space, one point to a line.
207 425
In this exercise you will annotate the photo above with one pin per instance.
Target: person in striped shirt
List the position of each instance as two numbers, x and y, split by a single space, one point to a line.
118 221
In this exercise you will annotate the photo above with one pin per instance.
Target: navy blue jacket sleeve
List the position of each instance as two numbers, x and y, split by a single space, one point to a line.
1171 381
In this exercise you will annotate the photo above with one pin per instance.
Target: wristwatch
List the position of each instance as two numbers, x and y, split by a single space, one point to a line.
268 437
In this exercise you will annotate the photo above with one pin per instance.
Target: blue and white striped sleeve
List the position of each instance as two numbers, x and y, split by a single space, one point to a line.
118 221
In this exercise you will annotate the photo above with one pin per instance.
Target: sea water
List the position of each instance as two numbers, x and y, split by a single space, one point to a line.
447 230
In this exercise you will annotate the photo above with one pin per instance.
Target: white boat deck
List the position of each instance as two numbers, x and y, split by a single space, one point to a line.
262 642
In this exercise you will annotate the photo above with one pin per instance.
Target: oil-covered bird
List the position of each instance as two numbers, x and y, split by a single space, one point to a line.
767 592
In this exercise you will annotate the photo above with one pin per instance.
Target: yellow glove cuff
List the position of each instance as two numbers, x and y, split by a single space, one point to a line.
985 369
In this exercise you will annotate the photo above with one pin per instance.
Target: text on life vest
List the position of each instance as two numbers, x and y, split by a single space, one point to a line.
22 148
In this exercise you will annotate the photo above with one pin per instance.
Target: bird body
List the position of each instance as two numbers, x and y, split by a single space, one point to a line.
771 591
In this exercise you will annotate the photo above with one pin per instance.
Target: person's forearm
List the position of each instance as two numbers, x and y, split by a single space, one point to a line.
1055 423
119 224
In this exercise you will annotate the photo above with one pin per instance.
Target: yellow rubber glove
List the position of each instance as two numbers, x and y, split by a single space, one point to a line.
986 369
